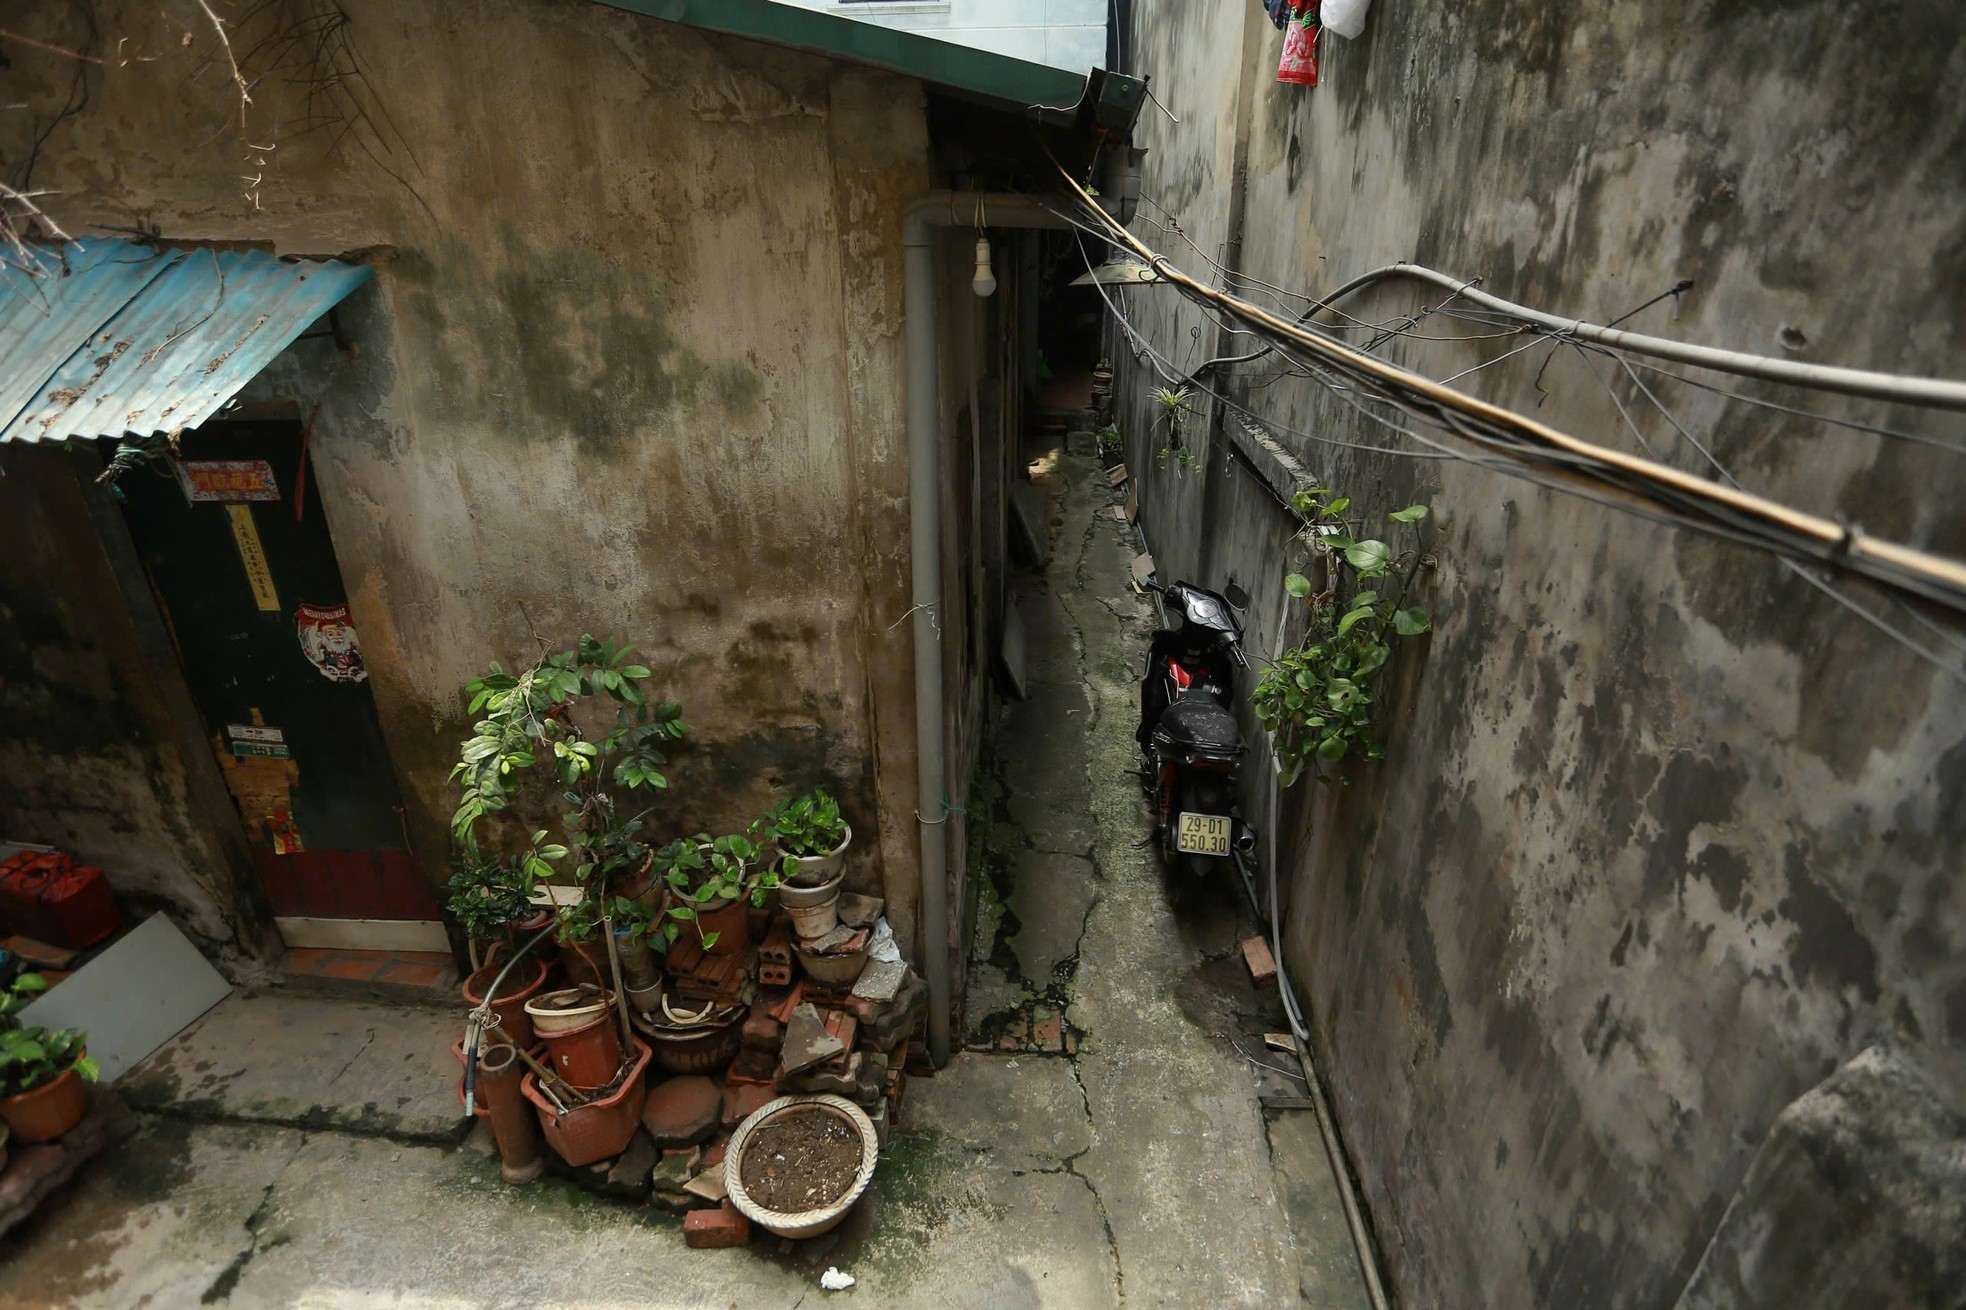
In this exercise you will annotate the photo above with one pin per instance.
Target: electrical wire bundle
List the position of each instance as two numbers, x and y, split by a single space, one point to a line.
1511 443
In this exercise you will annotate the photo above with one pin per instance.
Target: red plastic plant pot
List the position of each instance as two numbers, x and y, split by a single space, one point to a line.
598 1129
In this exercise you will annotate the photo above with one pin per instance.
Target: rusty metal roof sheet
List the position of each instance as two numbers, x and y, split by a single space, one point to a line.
114 337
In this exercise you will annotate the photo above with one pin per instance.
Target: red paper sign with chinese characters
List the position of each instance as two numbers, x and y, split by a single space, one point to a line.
227 479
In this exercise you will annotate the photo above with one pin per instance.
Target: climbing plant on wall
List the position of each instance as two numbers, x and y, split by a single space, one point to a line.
1320 699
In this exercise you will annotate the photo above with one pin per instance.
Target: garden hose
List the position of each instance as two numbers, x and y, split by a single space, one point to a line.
476 1025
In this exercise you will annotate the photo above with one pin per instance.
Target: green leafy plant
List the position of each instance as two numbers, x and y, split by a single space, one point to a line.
803 825
706 873
1174 407
1110 445
543 721
1319 700
637 922
20 993
34 1057
489 892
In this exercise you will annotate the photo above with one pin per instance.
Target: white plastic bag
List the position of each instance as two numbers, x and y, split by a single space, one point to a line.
881 944
1344 18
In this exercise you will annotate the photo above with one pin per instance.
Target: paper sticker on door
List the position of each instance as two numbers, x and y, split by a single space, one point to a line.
227 480
328 639
259 574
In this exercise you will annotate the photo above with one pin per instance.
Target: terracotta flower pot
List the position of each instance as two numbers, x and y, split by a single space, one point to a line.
521 985
585 962
588 1056
704 1050
835 971
48 1111
598 1129
731 921
524 930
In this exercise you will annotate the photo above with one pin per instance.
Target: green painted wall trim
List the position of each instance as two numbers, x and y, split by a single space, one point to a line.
1014 82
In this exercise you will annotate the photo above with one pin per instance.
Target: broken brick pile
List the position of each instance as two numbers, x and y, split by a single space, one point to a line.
796 1036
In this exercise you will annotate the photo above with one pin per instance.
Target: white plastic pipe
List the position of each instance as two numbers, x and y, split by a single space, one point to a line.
1897 388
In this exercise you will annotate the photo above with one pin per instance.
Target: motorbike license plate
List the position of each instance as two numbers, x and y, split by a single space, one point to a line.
1202 834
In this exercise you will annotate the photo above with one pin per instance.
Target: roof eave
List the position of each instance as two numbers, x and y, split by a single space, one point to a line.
1108 100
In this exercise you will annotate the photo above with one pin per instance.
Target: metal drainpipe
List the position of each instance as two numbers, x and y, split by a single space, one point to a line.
920 231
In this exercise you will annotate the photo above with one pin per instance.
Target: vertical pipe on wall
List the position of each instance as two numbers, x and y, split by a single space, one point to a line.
921 229
925 555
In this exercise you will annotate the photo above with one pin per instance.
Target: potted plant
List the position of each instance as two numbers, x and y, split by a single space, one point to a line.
716 882
581 718
491 897
809 833
811 839
638 941
41 1070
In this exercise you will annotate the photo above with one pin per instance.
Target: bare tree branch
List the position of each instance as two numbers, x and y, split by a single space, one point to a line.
5 35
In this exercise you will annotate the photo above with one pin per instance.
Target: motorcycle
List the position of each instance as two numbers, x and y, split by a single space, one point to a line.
1190 743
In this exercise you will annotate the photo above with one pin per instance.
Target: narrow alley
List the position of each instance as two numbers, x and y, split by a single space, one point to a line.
1099 655
1103 1141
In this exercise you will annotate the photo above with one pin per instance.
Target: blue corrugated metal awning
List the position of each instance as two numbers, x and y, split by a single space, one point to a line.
115 337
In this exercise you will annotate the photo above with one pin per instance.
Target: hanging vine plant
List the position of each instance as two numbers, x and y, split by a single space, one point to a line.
1320 700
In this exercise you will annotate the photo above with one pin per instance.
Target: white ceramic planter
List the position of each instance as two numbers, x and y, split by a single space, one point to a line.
823 869
546 1020
805 1223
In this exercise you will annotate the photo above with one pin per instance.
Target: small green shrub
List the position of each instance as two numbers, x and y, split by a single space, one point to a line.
1319 700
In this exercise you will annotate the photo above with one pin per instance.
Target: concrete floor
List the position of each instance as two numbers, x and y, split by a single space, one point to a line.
1105 1146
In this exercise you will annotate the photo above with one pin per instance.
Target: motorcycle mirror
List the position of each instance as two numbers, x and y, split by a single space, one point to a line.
1236 596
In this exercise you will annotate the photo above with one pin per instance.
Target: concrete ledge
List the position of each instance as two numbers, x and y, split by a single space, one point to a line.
1278 468
382 1071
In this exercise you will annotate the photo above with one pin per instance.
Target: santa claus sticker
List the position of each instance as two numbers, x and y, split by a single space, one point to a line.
328 640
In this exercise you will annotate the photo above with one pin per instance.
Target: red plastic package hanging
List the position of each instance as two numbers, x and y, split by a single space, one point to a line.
1298 66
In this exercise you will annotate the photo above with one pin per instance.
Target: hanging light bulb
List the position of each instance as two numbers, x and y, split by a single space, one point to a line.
985 281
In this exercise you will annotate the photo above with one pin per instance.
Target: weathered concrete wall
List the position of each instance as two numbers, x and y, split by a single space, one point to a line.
91 759
1666 834
632 366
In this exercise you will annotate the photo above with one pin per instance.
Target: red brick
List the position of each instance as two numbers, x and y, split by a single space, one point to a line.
783 1010
752 1067
762 1032
682 1111
713 1152
777 948
1262 965
842 1024
709 1229
745 1100
305 960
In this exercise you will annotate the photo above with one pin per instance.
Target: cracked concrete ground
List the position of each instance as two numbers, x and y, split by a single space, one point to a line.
1114 1152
